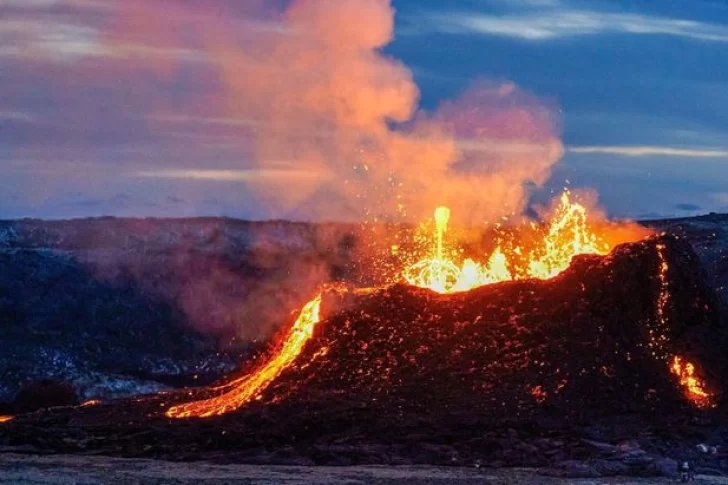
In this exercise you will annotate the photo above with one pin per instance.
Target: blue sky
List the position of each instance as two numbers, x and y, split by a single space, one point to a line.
101 116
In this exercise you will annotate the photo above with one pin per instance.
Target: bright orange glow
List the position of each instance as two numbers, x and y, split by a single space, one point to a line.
568 235
657 335
5 419
244 390
539 394
90 402
693 387
440 273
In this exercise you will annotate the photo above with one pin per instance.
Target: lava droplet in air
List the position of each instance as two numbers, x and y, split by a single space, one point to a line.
242 391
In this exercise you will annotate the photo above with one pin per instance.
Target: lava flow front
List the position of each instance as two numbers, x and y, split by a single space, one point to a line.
443 270
694 387
245 389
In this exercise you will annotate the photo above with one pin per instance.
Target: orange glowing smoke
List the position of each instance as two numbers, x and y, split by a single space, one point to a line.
242 391
693 387
5 419
568 235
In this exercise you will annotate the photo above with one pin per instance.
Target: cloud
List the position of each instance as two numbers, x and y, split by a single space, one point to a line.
547 24
647 151
45 4
228 175
16 116
720 198
688 207
292 103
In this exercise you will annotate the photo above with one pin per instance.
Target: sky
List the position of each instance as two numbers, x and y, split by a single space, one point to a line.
323 110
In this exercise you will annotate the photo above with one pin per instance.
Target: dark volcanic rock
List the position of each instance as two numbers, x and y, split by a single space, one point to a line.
581 343
44 394
527 373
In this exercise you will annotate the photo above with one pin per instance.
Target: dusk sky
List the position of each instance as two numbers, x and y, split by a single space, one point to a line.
152 108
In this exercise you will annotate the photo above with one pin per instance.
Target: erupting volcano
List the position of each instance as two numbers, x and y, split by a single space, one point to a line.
559 324
568 234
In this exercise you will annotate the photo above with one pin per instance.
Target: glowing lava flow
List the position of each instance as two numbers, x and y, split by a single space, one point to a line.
5 419
694 388
249 387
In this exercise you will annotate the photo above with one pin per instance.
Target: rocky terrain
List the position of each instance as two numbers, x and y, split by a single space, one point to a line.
122 307
111 308
119 307
560 373
71 470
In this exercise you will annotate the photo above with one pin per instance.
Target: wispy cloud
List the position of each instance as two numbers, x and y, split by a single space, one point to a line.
16 116
552 23
44 4
720 198
647 151
227 175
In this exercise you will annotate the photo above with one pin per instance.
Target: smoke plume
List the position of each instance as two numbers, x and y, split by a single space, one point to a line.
334 124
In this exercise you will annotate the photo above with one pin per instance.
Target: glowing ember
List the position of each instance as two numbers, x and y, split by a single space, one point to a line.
5 419
657 336
693 387
90 402
539 394
249 387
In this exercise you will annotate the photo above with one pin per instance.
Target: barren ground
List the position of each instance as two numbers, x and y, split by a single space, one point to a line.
77 470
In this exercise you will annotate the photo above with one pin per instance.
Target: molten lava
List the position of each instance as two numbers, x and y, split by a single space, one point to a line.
5 419
249 387
441 274
568 235
693 387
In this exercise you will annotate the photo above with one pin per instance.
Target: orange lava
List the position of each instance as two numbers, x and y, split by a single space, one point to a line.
568 235
244 390
90 402
693 387
5 419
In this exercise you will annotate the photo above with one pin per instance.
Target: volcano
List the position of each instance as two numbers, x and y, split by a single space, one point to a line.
404 374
